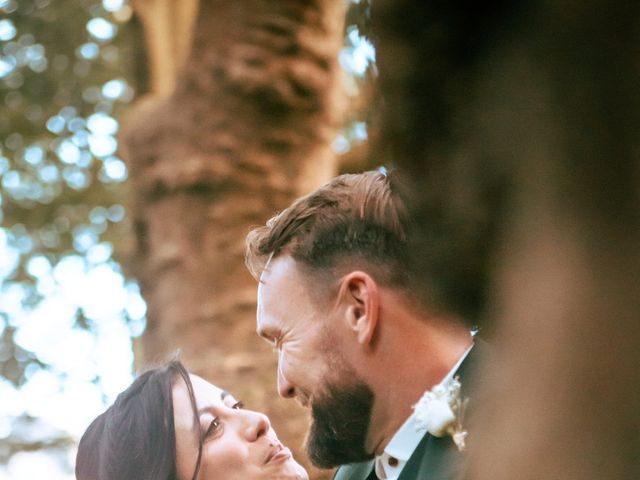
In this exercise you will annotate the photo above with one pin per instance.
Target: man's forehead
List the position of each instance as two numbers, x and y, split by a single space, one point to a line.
277 272
278 292
277 264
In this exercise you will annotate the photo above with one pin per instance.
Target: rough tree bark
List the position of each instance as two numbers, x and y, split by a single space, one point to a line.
520 124
247 129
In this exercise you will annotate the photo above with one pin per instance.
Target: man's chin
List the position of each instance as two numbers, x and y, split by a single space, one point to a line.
339 426
331 455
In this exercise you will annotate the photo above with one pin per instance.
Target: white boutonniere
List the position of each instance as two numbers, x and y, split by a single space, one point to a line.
441 410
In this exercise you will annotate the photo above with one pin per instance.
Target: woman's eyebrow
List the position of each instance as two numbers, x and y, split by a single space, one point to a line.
223 395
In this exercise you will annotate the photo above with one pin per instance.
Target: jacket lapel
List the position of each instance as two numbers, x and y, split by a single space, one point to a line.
354 471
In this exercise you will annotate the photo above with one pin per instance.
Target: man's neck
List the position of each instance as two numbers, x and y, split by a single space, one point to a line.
412 358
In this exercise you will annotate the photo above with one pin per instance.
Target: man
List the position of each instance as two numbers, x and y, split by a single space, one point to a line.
357 342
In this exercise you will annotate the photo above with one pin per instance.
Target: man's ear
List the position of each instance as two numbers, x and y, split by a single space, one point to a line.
360 297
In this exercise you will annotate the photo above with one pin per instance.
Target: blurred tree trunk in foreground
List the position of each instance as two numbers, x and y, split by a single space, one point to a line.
245 131
519 123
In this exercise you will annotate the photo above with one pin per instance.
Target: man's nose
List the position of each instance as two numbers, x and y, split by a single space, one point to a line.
285 388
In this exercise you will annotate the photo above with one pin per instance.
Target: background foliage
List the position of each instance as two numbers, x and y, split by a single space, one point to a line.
67 310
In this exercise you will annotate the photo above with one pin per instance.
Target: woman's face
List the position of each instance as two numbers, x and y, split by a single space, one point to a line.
238 444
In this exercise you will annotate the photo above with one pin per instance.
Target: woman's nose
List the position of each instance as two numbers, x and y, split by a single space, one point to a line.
257 426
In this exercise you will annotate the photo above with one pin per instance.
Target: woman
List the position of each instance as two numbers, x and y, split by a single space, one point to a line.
170 425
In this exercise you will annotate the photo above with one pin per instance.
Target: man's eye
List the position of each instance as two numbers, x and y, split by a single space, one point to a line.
238 406
212 428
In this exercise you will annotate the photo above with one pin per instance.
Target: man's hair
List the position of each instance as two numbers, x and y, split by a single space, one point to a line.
355 219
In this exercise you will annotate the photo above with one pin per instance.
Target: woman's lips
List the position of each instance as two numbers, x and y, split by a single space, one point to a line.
279 452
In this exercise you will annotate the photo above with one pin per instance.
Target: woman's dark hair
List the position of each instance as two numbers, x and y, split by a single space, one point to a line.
134 439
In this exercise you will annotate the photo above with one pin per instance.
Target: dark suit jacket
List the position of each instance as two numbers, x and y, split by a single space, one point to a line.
434 458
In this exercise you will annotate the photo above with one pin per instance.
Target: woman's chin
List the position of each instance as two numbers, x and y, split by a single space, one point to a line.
290 470
299 470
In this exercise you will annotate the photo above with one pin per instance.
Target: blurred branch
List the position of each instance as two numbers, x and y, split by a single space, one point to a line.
168 32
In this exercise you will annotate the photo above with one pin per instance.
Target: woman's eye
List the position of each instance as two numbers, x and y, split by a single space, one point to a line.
238 406
212 428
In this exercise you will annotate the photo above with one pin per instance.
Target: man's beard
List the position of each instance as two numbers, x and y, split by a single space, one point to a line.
339 424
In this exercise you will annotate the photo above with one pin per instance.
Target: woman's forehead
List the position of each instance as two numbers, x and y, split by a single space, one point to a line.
206 392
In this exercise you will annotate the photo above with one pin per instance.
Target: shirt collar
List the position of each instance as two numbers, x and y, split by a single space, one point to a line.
390 463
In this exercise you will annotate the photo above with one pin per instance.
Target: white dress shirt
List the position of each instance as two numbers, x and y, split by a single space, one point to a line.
390 463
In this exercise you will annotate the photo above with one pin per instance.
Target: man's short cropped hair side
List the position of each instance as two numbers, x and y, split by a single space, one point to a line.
355 220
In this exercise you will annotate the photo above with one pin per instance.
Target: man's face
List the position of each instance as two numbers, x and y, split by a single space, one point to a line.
311 368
